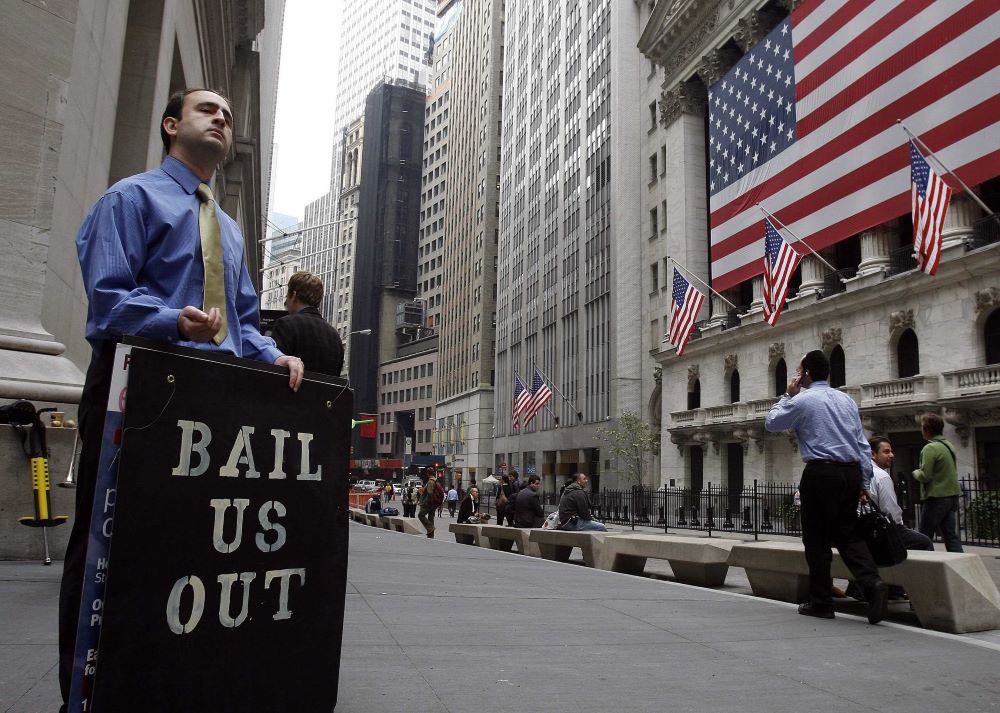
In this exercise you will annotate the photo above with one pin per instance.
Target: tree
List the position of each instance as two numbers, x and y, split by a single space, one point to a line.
631 440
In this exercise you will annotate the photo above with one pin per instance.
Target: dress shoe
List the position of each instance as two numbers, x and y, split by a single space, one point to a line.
810 609
878 596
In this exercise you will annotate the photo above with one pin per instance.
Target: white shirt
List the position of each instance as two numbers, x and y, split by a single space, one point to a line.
883 493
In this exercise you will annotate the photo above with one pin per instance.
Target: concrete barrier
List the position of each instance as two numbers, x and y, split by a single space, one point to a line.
467 533
372 519
358 515
558 544
949 591
505 538
694 560
407 525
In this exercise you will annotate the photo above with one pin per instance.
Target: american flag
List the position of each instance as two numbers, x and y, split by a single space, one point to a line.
805 122
930 196
686 302
541 394
780 261
521 400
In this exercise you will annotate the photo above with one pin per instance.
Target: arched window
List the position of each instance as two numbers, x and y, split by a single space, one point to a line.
838 372
780 377
991 333
908 354
694 394
734 386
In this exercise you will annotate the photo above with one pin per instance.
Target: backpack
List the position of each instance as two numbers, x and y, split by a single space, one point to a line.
388 512
437 497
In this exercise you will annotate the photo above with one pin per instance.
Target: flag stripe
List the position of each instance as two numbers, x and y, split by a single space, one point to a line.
859 66
878 128
834 186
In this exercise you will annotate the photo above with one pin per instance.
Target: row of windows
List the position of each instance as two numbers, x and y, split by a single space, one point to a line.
387 398
400 375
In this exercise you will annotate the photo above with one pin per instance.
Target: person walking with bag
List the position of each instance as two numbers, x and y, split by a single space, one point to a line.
838 468
939 489
426 503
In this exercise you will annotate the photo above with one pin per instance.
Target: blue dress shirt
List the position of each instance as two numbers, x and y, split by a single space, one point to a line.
827 425
140 253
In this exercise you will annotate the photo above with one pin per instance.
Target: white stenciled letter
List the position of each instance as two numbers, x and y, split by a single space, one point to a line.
226 584
188 446
285 575
305 439
279 453
241 454
221 505
266 523
174 605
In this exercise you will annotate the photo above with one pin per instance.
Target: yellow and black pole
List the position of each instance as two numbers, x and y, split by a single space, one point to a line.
21 414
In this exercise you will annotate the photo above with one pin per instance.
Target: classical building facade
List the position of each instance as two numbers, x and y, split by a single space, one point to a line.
900 342
82 91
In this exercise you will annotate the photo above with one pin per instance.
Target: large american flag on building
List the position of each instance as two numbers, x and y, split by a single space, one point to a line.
541 394
929 199
522 397
805 123
686 301
780 261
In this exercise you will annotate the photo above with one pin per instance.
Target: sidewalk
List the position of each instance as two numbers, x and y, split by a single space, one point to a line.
432 626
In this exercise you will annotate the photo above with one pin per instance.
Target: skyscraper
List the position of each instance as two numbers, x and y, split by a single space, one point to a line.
569 279
464 410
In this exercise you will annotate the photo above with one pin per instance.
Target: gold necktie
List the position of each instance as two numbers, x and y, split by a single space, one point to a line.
211 252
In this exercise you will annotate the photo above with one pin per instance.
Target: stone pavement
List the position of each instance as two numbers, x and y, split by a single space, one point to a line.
432 626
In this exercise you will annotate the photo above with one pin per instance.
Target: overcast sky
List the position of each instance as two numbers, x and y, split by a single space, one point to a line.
303 133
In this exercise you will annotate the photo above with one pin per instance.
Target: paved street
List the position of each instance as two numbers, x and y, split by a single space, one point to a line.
432 626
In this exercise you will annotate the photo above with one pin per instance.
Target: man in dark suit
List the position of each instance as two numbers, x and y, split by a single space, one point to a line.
469 505
303 332
527 505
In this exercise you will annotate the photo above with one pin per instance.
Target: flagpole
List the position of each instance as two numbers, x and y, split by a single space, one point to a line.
701 282
576 410
931 154
797 238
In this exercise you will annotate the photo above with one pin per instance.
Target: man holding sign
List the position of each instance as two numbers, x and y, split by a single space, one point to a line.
160 260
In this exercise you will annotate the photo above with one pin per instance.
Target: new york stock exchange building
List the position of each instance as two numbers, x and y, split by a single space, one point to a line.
790 109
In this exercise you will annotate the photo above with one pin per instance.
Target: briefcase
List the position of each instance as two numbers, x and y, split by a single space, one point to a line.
880 534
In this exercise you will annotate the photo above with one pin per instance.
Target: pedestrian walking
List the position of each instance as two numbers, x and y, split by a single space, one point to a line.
452 500
939 489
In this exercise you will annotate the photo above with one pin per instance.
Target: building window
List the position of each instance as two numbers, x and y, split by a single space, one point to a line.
991 335
654 276
838 370
780 377
734 386
652 116
694 394
653 173
908 354
653 223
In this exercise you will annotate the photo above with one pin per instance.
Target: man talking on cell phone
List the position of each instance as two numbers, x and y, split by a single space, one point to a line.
838 470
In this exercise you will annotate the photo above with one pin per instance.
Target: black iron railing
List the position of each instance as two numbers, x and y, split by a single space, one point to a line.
902 260
985 231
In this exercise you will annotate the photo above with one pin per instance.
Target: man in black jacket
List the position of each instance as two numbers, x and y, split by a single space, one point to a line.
303 332
527 505
469 505
574 507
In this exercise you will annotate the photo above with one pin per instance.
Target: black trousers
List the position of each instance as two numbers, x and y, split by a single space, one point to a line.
93 409
830 493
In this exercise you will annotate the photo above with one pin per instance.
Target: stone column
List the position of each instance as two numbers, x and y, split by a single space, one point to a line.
720 310
813 272
958 222
33 108
758 293
876 246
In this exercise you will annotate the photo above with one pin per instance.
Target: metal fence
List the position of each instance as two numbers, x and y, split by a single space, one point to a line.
770 509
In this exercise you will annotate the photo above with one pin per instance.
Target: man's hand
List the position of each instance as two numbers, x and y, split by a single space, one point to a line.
295 370
197 326
794 385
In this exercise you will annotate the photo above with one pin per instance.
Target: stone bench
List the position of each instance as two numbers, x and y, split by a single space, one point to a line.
372 519
406 525
558 544
467 533
358 515
949 591
505 538
694 560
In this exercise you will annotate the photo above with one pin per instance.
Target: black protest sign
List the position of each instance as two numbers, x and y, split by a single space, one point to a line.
228 560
